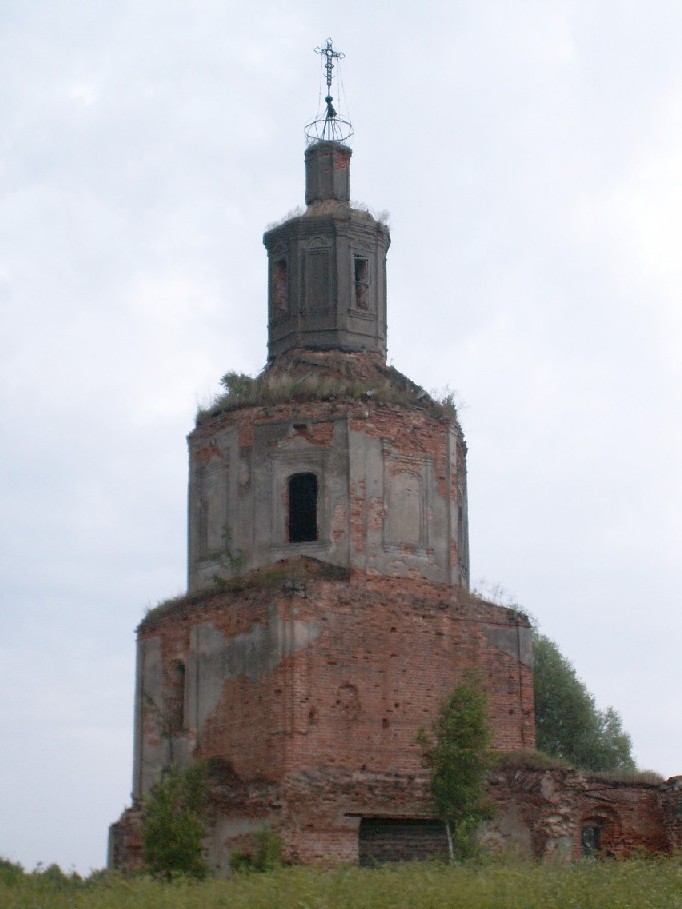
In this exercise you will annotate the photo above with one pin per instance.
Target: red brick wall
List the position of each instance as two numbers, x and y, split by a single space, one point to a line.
385 654
547 809
342 672
671 800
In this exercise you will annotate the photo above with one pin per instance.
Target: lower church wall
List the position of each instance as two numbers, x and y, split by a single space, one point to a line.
304 688
332 817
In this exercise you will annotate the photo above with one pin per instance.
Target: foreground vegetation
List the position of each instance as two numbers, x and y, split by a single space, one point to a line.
457 755
635 884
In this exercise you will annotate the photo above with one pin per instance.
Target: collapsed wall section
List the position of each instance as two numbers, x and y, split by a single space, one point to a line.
561 814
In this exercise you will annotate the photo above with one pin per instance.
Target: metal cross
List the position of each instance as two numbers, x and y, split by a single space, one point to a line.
331 55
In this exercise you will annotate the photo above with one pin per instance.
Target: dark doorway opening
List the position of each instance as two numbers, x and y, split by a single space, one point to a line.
302 508
400 840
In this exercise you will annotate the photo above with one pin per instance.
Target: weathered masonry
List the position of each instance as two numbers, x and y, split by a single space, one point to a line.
328 611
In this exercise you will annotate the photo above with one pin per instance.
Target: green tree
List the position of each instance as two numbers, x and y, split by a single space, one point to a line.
173 828
457 756
568 723
11 872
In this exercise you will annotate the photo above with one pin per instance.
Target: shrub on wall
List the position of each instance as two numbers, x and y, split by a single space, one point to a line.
173 828
265 856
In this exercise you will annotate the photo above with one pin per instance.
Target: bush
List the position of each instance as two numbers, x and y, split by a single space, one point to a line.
266 856
173 828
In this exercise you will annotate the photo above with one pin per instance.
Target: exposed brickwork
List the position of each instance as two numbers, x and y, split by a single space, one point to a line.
306 688
328 614
320 816
546 810
672 811
125 841
310 742
411 641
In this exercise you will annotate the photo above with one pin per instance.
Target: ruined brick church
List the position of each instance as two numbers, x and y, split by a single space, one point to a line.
328 611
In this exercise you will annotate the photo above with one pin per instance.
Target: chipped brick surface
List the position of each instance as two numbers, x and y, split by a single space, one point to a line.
328 613
349 670
315 683
546 810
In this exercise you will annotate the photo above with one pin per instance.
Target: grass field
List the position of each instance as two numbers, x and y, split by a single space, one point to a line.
646 884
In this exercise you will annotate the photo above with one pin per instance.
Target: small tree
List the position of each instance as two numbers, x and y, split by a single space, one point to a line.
457 755
173 828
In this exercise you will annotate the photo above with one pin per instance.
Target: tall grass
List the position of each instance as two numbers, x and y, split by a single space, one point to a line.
645 884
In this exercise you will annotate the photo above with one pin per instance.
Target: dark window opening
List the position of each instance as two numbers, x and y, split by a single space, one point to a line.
280 285
361 276
591 840
302 508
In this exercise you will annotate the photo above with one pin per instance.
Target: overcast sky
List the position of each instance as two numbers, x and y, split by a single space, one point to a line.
530 154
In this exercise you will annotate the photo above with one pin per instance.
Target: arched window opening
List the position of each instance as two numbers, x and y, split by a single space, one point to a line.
600 832
302 508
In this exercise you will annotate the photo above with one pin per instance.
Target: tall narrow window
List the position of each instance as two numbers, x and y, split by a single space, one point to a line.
317 280
280 286
176 696
302 508
361 275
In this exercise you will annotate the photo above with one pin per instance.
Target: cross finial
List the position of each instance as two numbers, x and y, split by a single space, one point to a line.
329 127
331 55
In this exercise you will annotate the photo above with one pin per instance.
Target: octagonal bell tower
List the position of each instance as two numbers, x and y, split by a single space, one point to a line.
327 268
